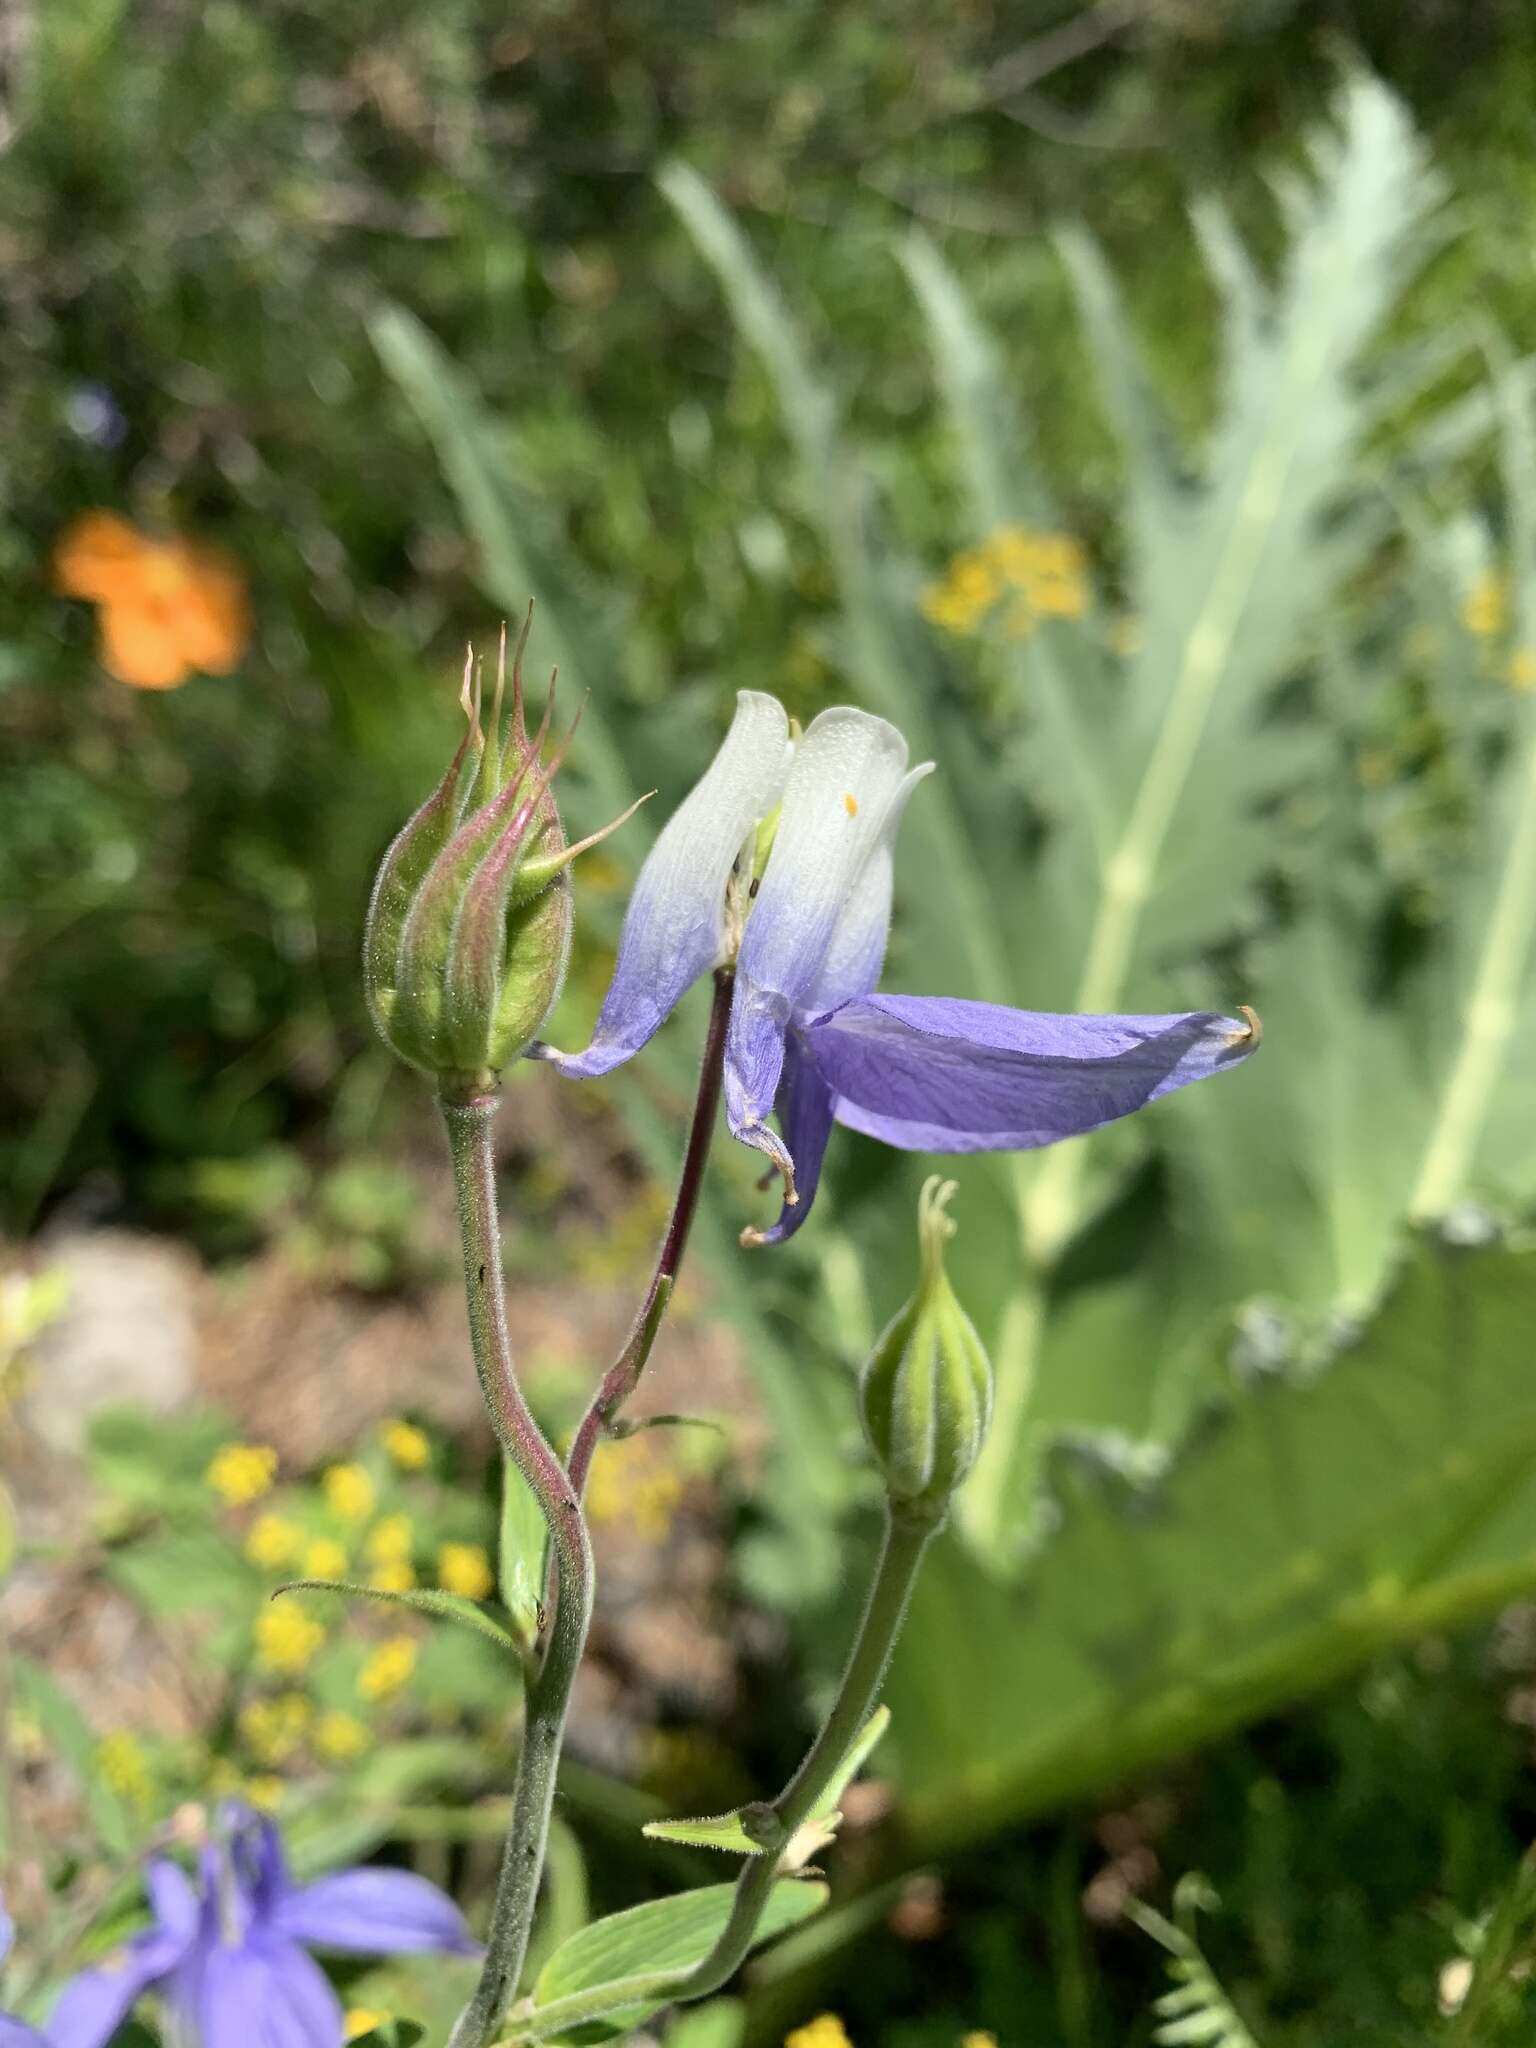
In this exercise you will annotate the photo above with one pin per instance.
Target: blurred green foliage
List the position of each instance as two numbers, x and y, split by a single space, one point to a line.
390 307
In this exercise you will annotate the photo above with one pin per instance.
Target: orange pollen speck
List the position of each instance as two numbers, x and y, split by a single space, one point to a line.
851 806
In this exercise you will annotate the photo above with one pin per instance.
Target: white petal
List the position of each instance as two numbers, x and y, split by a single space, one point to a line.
674 929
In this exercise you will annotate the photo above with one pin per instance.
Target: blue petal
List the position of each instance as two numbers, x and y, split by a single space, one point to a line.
935 1074
15 2033
375 1912
94 2005
675 926
265 1994
805 1118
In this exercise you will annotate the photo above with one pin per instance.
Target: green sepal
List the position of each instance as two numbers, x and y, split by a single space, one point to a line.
424 1599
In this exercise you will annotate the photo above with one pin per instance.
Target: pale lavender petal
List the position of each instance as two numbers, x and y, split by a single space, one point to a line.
805 1118
172 1899
675 926
936 1074
15 2033
375 1912
7 1932
856 952
848 772
266 1994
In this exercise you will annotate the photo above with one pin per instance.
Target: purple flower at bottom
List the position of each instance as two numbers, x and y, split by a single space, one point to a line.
228 1954
810 1042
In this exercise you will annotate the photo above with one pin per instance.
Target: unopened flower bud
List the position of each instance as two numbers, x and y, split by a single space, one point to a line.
926 1393
469 926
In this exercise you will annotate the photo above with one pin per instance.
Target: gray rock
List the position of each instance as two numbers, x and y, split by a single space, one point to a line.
127 1334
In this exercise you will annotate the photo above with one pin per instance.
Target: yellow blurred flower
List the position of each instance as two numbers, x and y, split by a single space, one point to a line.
349 1491
1521 672
825 2031
273 1729
286 1637
325 1559
168 609
1485 608
464 1568
340 1737
387 1668
242 1472
271 1542
124 1768
630 1482
392 1578
1047 574
360 2021
409 1446
390 1540
979 2038
265 1792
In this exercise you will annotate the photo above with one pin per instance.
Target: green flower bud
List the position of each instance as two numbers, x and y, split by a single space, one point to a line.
469 926
926 1393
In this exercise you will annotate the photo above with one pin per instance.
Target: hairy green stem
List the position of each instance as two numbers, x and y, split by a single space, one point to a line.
548 1693
906 1539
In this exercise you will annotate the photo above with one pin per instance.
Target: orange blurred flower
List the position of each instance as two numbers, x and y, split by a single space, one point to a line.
168 609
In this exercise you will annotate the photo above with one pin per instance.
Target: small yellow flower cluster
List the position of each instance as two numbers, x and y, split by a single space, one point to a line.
406 1445
360 2021
124 1768
241 1473
630 1483
825 2031
387 1668
287 1638
325 1558
465 1569
273 1729
271 1542
340 1737
1042 575
349 1492
1487 614
388 1545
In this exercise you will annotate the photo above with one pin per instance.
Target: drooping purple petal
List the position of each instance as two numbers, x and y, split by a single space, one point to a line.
375 1912
848 773
805 1119
265 1994
937 1074
93 2006
674 929
172 1899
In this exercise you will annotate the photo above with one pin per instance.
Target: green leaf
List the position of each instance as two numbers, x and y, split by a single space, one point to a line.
728 1831
626 1955
156 1463
522 1554
1312 1520
722 2023
424 1599
175 1571
42 1699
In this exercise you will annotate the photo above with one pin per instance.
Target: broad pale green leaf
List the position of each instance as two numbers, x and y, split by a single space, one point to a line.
1313 1520
423 1599
656 1941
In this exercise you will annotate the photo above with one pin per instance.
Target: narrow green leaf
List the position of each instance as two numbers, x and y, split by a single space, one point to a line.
709 1831
38 1695
860 1750
424 1600
523 1548
731 1832
629 1957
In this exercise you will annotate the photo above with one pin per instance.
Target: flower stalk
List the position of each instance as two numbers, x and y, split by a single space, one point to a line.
547 1699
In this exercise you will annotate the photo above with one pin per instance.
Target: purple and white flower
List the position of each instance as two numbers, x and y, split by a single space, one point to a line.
810 1041
228 1954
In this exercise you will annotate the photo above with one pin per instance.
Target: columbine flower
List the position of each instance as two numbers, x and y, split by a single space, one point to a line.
228 1954
809 1039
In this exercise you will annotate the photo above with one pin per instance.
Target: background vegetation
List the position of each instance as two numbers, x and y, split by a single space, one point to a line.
854 352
